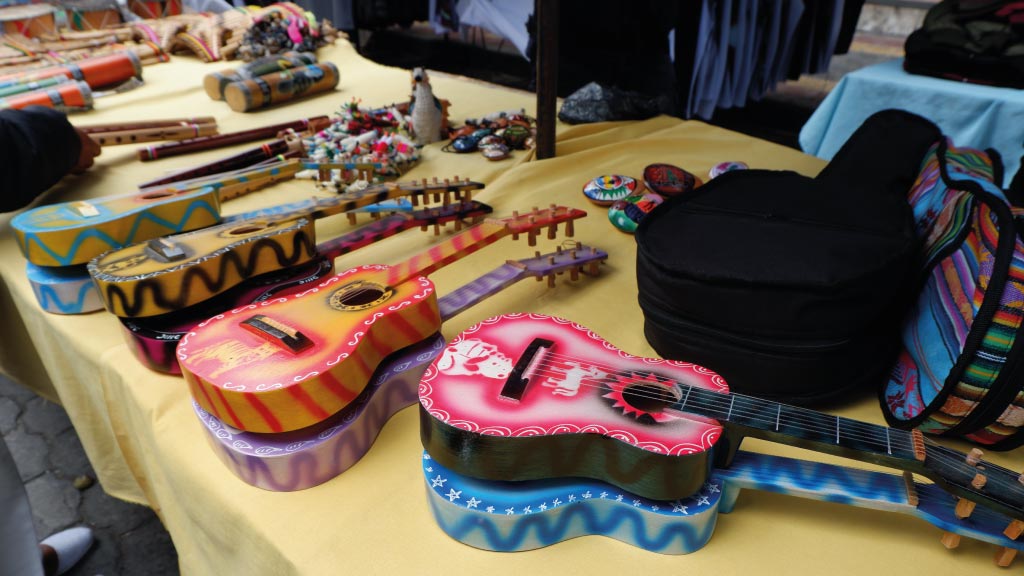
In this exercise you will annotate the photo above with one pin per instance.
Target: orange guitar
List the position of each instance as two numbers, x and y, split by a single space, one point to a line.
170 273
291 362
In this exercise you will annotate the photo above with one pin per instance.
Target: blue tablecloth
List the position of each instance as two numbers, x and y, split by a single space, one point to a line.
973 115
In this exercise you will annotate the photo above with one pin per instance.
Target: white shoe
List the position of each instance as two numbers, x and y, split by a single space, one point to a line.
70 545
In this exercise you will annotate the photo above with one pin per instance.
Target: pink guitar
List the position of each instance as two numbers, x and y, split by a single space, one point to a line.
292 362
526 397
153 339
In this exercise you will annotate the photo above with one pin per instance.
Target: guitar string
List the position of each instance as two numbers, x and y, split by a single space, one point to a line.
954 462
871 428
939 456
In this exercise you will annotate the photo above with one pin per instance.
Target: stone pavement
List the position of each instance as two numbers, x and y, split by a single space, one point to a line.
61 486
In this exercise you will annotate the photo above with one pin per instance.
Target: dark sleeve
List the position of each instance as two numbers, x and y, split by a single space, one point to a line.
38 146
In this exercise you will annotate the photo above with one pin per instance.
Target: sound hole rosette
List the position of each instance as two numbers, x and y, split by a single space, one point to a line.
359 295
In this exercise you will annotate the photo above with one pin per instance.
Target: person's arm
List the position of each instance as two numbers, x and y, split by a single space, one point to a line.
38 146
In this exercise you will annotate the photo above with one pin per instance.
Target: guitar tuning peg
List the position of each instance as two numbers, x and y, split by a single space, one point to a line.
569 230
974 456
551 259
435 179
558 249
1004 556
950 540
424 227
979 481
536 254
458 224
515 214
593 269
415 200
552 232
375 215
437 197
1014 529
538 278
964 508
573 254
437 228
551 281
447 198
574 273
351 218
531 238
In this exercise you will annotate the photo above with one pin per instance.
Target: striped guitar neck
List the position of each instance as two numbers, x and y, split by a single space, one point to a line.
153 339
70 233
305 458
167 274
292 362
667 418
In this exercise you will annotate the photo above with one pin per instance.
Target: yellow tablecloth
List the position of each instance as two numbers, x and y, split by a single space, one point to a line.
147 446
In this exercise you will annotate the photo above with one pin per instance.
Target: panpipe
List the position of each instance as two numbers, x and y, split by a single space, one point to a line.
152 134
67 96
283 86
231 138
30 20
235 162
98 72
215 82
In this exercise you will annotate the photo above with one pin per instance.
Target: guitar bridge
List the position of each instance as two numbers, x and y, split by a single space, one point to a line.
165 250
515 384
279 332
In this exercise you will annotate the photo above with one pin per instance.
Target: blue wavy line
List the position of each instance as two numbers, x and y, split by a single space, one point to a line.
32 237
50 300
546 532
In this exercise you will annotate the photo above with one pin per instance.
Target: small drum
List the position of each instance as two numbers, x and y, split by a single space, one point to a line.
91 14
30 20
153 9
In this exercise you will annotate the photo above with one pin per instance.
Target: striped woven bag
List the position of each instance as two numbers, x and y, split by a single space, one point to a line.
960 372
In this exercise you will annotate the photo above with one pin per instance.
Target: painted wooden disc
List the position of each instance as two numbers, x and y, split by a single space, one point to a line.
627 213
669 180
604 190
723 167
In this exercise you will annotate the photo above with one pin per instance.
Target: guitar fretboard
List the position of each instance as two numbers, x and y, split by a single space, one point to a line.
445 253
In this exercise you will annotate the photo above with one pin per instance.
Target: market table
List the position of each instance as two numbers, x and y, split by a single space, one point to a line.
147 445
971 114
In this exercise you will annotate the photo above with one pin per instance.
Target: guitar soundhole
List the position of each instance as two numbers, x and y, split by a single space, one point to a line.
359 296
649 398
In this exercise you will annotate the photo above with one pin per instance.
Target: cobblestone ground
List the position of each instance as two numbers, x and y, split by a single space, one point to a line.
61 486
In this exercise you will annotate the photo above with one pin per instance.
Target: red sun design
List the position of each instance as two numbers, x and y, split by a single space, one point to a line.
643 396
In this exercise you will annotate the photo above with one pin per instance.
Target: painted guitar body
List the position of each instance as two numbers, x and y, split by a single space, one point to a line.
63 289
305 458
517 516
570 420
168 274
71 233
154 339
309 354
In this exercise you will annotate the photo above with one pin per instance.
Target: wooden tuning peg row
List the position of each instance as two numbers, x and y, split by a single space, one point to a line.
964 508
1004 556
1014 529
950 540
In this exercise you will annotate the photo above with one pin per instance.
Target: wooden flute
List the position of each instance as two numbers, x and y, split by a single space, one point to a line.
228 139
230 163
137 125
153 134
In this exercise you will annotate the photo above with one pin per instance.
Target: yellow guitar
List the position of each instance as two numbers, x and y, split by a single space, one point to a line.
292 362
167 274
70 233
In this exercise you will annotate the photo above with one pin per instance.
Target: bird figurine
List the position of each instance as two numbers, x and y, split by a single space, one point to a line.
425 111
